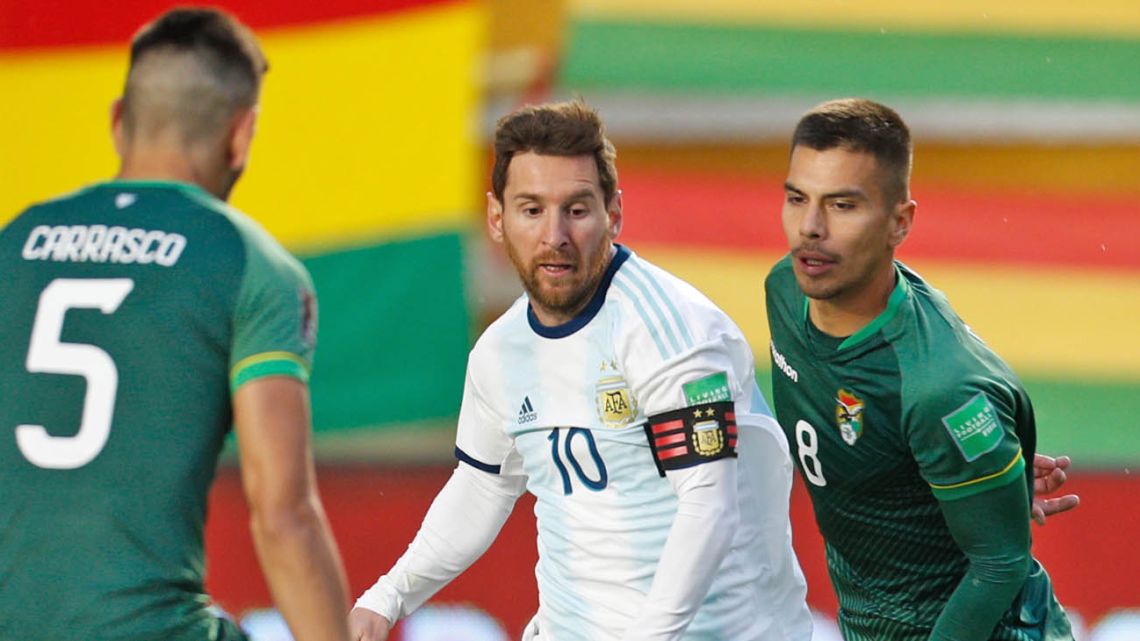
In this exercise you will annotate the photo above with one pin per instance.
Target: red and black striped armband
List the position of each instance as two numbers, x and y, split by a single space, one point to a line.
693 435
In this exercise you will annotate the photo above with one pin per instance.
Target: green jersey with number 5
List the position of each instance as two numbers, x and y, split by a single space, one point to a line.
910 411
133 311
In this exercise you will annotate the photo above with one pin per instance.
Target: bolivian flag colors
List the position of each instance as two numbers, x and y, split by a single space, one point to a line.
1029 226
365 165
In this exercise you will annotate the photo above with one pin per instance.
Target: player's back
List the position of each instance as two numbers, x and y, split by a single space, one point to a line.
114 402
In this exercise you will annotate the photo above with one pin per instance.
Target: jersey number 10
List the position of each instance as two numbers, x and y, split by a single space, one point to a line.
48 355
597 484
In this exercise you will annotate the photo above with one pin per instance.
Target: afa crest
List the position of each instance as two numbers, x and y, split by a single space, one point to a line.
707 438
616 404
849 416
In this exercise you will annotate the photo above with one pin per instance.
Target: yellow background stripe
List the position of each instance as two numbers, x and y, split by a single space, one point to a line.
367 127
1047 321
1105 17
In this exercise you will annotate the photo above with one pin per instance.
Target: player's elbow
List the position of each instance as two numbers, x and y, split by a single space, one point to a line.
1007 572
279 521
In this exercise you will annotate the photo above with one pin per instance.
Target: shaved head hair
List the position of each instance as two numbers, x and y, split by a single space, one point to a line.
190 71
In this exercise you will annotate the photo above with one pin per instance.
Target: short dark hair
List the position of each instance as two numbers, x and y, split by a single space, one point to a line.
555 129
191 69
210 33
860 125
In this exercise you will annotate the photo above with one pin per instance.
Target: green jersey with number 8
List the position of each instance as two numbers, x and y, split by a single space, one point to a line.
133 311
911 411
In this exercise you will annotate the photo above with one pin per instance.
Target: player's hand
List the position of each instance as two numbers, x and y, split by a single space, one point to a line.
1048 477
366 625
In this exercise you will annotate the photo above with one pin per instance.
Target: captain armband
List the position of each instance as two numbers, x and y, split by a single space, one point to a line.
692 435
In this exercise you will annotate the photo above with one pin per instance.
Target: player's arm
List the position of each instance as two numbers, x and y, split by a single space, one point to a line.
460 525
707 513
967 446
695 449
290 533
992 530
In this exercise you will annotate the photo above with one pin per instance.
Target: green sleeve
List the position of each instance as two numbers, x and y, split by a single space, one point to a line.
992 529
965 438
275 315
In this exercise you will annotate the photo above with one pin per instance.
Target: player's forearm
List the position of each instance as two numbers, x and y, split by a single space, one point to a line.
303 570
993 530
707 512
461 524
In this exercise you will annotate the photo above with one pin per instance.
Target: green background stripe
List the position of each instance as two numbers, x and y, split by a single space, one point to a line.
749 59
393 333
1093 422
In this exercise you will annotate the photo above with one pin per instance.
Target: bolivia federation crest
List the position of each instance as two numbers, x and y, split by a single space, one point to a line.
616 405
849 416
708 438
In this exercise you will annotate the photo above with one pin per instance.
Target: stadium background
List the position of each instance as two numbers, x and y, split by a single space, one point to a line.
372 157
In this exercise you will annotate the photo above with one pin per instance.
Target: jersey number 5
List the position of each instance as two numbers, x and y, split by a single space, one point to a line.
48 355
807 446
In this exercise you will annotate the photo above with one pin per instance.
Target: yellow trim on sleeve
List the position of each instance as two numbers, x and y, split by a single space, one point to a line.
267 356
983 479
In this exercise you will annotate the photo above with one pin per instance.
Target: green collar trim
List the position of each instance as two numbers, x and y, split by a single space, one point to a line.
898 295
189 188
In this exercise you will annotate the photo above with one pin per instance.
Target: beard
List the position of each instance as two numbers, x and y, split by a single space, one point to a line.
566 298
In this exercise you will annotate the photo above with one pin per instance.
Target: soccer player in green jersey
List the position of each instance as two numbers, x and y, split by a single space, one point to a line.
911 434
144 317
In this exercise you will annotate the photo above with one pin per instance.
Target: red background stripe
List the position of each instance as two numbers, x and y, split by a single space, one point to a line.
54 23
737 212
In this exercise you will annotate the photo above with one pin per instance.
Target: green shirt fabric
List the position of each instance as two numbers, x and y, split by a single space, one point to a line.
888 427
133 310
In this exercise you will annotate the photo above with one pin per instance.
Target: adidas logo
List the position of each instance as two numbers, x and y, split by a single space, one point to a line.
526 412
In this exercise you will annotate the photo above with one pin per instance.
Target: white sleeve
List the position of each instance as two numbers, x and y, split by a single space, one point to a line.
706 512
461 524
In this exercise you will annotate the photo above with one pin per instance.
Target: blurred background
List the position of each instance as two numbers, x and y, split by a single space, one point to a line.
372 159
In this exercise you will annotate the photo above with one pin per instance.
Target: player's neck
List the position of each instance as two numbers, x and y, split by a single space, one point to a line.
143 163
849 312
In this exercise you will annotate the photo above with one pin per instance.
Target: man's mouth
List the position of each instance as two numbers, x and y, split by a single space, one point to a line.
814 263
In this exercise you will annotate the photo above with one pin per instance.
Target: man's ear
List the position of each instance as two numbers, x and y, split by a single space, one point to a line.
117 134
613 211
494 218
902 218
241 138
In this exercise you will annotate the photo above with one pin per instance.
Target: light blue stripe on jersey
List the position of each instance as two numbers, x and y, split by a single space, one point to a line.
639 279
625 289
640 269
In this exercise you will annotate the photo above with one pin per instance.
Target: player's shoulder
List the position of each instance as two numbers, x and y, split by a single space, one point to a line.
942 361
647 296
511 324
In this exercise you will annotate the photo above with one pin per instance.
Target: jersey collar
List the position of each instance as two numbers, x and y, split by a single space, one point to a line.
189 188
592 308
894 302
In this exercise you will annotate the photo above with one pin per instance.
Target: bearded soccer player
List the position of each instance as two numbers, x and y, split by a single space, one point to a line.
911 434
621 398
144 317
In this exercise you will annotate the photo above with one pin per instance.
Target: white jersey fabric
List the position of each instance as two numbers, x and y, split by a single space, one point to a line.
564 410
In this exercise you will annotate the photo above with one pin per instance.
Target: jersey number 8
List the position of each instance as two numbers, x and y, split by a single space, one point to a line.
48 355
807 446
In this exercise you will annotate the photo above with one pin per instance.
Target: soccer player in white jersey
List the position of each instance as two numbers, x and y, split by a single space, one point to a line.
626 402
